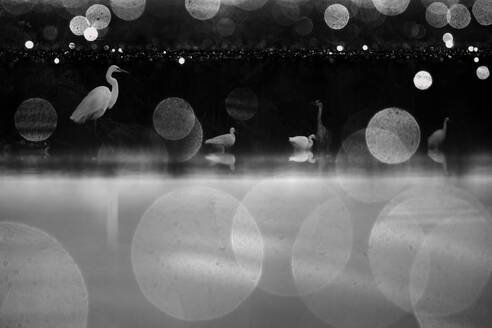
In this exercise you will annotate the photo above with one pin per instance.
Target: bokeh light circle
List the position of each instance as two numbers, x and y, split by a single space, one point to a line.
248 5
436 14
422 80
185 149
29 44
323 246
226 27
483 72
79 24
40 284
197 246
453 265
35 119
447 37
458 16
336 16
50 33
280 205
241 104
173 118
391 7
393 136
482 10
202 9
91 34
128 10
99 16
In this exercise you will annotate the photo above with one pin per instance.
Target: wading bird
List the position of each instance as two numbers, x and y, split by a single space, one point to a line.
95 104
223 141
302 143
436 140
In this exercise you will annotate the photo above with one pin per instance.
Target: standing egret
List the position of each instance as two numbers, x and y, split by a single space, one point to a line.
95 104
437 139
322 134
302 143
223 141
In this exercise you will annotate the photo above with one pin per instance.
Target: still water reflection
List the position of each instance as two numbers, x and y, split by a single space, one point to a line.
298 248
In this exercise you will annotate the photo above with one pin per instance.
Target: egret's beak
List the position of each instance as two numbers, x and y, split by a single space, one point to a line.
123 71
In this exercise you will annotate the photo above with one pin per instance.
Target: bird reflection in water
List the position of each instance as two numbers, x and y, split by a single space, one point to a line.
219 158
302 157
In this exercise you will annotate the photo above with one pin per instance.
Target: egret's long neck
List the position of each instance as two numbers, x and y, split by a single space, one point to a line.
320 113
114 89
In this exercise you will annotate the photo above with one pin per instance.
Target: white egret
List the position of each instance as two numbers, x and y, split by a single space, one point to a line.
436 139
223 141
302 143
322 134
95 104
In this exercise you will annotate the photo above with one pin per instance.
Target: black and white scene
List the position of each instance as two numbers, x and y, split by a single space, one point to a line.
245 164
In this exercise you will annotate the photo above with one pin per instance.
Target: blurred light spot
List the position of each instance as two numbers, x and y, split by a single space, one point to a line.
391 7
181 60
173 118
56 60
185 149
98 16
79 24
449 44
280 205
422 80
226 27
241 104
197 246
483 72
323 246
476 59
29 44
91 34
35 119
470 49
365 47
128 10
436 14
41 285
458 16
340 48
336 16
393 136
447 37
202 9
71 45
482 10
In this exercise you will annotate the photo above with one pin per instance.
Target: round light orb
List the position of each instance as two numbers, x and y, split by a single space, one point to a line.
323 246
393 136
470 48
99 16
365 47
91 34
475 49
181 61
202 9
449 44
422 80
336 16
128 10
453 265
482 10
71 45
436 14
483 72
280 206
458 16
173 118
340 48
391 7
476 60
56 60
50 33
447 37
197 246
40 284
241 104
79 24
35 119
29 44
185 149
226 27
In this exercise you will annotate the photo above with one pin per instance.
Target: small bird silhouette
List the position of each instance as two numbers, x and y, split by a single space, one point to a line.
95 104
323 136
223 141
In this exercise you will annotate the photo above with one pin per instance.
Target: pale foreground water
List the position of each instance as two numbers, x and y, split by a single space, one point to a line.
291 249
